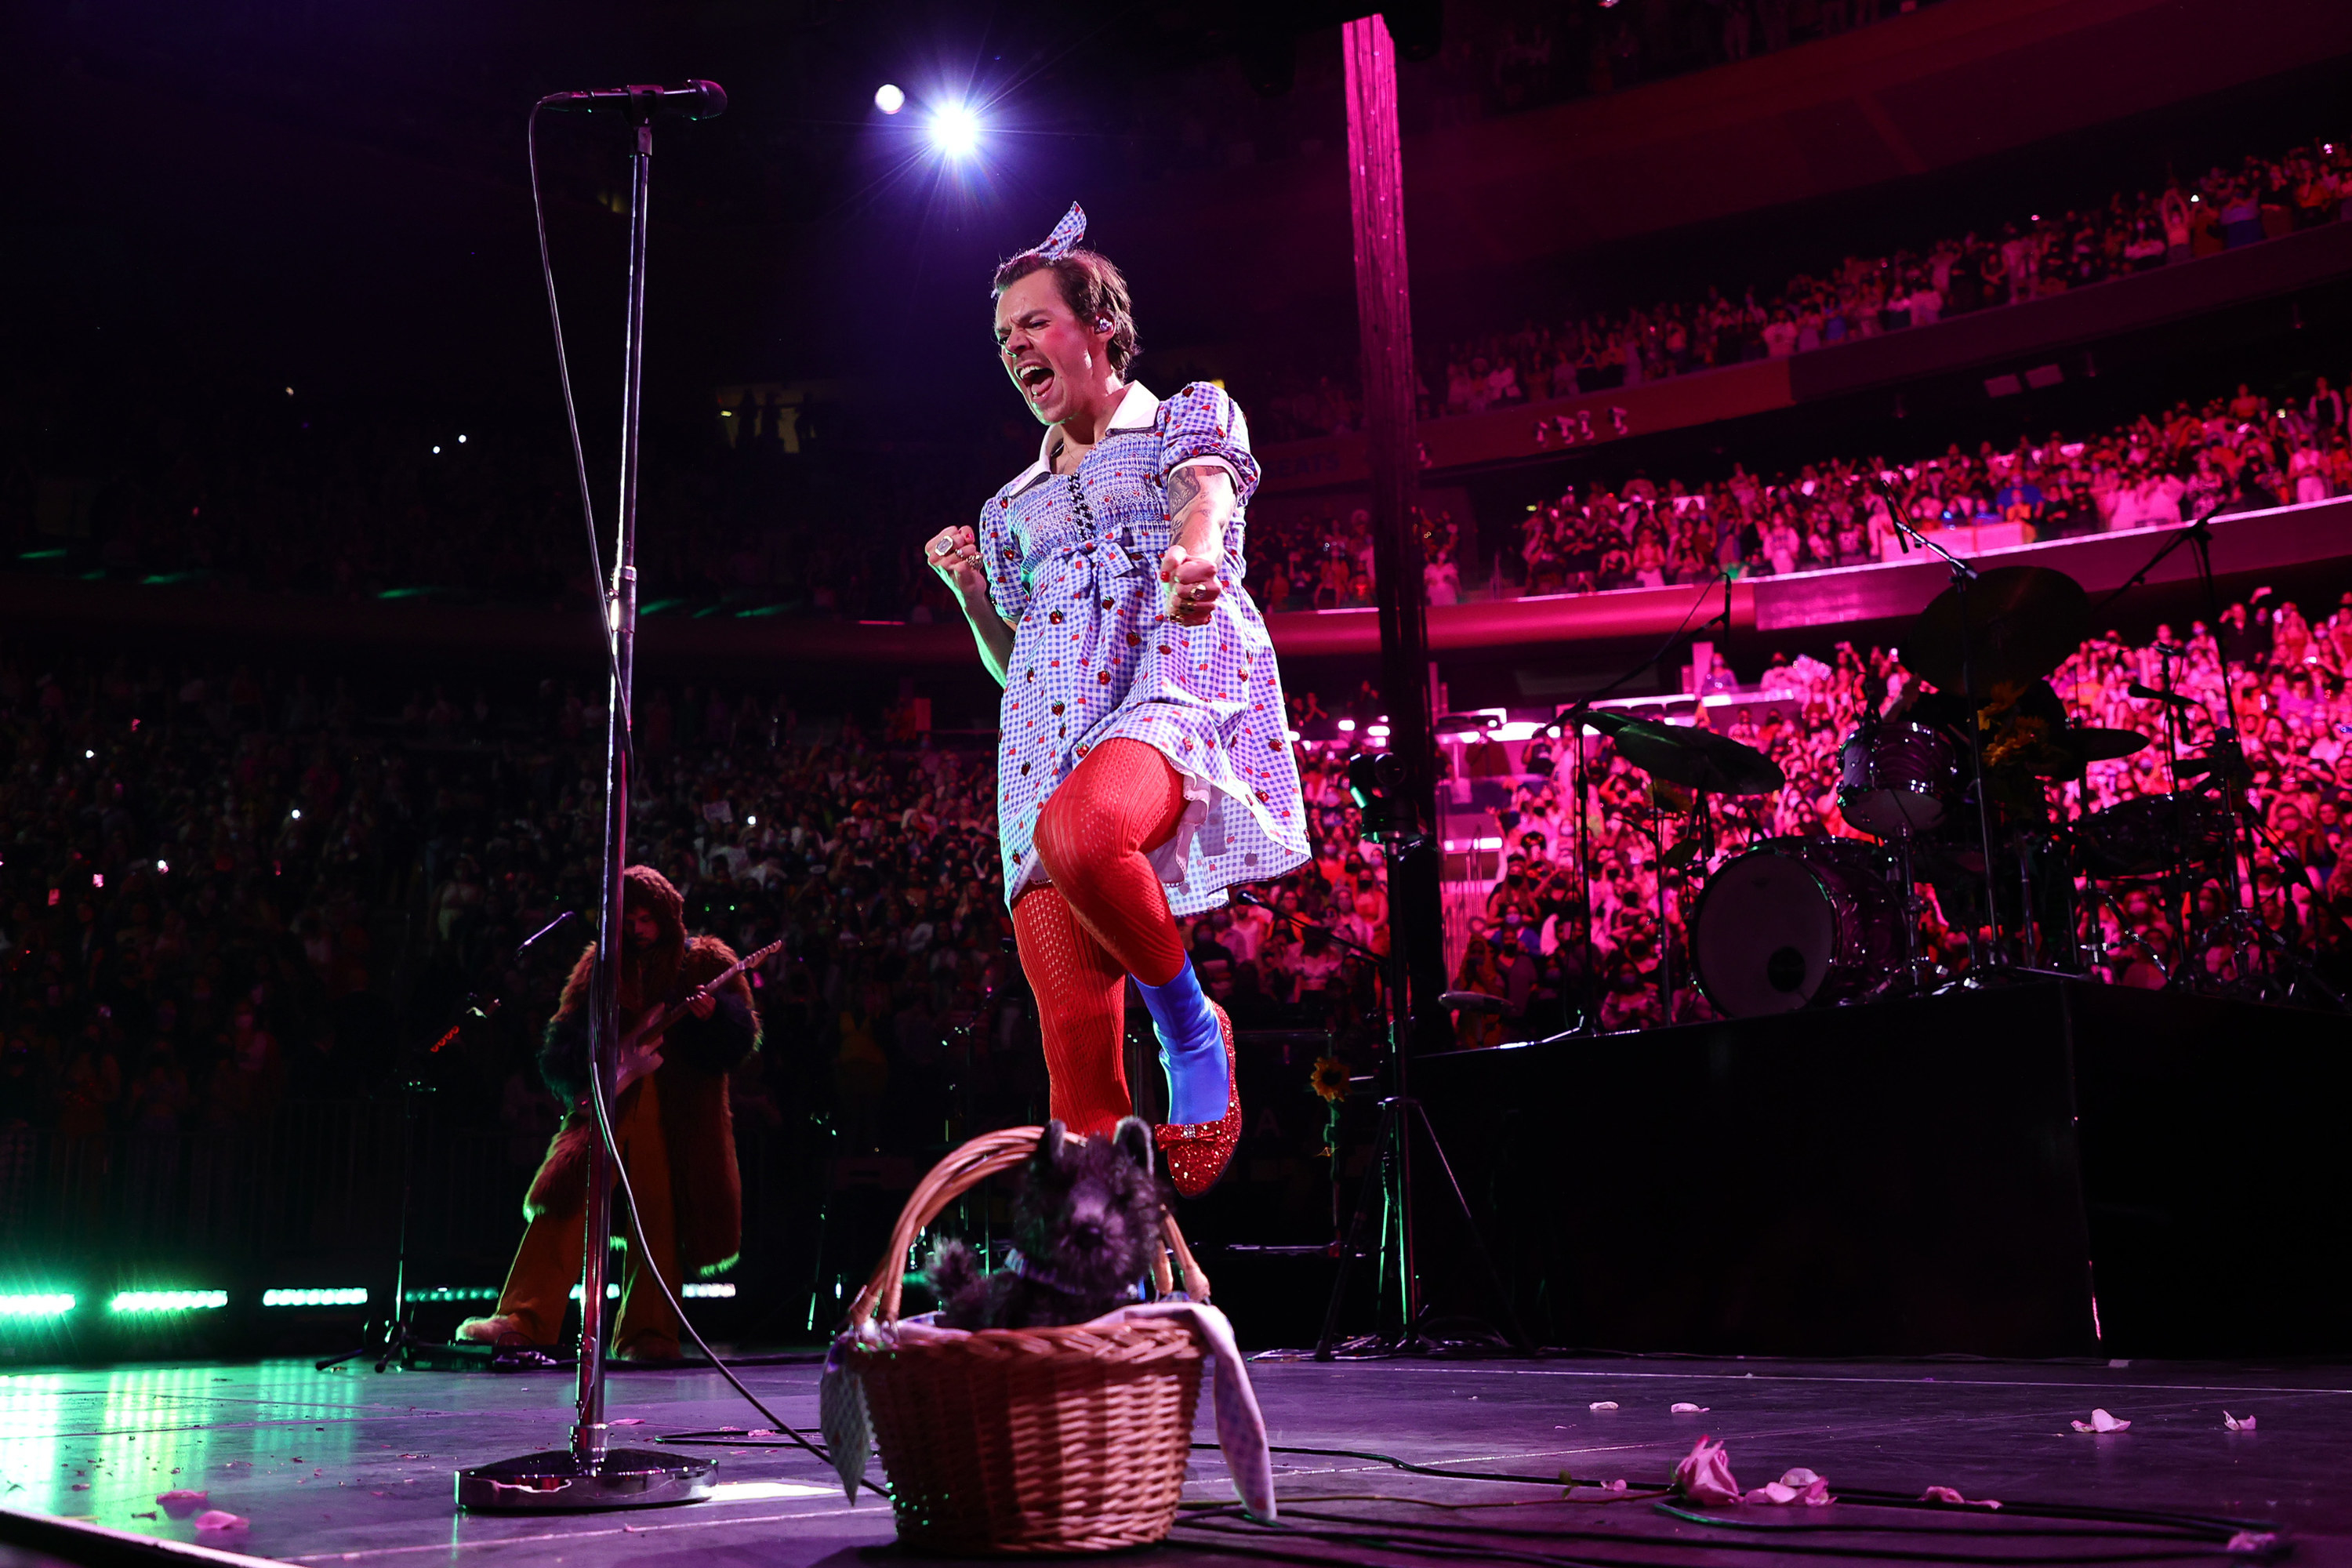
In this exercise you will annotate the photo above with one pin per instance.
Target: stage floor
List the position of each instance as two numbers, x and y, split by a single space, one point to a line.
350 1467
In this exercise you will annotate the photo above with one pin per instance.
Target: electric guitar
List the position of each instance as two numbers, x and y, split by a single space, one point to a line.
639 1049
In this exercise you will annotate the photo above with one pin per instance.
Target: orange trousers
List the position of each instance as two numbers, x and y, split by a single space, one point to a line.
547 1265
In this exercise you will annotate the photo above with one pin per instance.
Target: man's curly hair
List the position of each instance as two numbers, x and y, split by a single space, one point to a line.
1094 288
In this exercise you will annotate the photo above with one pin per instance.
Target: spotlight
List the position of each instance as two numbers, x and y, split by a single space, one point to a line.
955 130
888 98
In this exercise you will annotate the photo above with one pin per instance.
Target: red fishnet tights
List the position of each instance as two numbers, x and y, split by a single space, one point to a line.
1103 917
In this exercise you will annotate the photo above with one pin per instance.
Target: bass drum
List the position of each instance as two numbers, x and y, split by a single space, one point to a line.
1797 923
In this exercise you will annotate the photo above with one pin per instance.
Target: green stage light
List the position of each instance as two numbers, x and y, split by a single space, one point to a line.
717 1290
452 1293
344 1296
612 1292
37 1304
132 1301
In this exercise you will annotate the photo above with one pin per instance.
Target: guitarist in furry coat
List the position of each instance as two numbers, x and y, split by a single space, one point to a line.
671 1120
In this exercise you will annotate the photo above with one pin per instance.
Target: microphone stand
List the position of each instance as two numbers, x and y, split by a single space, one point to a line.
1963 575
1391 1184
394 1339
591 1474
1571 732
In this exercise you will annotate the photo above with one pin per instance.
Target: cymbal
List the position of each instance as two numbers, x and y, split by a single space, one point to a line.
2094 744
1699 759
2023 621
2064 753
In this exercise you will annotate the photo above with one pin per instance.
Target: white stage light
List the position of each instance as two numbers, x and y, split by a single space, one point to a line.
890 100
955 130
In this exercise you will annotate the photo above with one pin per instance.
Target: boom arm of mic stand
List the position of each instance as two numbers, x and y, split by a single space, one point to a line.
2200 530
1304 924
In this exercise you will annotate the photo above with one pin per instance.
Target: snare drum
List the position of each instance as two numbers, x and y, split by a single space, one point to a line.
1896 779
1797 923
2154 834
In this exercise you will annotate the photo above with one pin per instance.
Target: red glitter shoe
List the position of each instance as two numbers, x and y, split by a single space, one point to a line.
1198 1152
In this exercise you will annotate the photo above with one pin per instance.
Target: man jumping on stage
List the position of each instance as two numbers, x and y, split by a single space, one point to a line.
670 1118
1144 765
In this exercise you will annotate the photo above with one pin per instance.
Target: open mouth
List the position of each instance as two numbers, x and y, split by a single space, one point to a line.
1034 379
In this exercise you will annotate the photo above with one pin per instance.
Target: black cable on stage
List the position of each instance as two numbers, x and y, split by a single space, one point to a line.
645 1253
2195 1534
1776 1531
1394 1463
1410 1543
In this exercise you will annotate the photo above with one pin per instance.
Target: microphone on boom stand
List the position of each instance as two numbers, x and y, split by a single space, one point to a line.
695 101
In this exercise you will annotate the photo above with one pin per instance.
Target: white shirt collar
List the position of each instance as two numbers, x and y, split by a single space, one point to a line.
1137 411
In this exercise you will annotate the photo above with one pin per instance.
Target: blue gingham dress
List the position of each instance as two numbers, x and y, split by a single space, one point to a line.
1073 562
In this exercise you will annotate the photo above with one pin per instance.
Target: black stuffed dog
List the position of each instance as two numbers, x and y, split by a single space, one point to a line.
1085 1220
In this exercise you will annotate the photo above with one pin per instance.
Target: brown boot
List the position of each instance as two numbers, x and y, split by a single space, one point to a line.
498 1331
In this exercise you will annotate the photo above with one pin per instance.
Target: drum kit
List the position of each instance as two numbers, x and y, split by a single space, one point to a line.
1953 793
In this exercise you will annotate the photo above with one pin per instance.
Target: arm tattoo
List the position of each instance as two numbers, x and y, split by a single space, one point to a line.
1184 490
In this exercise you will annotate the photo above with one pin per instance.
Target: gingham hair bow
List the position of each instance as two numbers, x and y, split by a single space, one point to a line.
1066 234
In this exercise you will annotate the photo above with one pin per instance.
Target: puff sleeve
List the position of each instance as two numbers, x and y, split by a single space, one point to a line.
1202 424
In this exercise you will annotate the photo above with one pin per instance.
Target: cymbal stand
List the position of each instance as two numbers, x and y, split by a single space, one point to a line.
2181 893
2275 942
1590 1024
1665 932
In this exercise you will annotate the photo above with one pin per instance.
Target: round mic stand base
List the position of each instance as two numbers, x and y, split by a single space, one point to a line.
560 1481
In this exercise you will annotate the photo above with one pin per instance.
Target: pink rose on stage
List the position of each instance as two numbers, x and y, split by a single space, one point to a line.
181 1504
2235 1424
1704 1477
1799 1486
1951 1495
215 1519
2101 1421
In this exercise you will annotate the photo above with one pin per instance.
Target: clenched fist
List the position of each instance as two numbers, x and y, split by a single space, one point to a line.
1192 585
954 554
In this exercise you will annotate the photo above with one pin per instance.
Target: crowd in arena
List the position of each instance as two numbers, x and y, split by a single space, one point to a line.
2290 680
2241 452
2029 256
221 889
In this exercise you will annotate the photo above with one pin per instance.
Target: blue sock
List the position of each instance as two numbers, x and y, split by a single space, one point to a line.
1192 1047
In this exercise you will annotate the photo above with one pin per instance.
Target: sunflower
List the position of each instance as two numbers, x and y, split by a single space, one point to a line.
1330 1078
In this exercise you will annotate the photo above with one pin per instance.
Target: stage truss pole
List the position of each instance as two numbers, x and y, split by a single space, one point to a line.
591 1474
1384 316
1416 949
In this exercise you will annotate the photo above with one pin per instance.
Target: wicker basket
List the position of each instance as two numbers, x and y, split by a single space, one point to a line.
1014 1441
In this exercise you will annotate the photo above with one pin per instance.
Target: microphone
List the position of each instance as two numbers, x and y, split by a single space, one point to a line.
2147 693
1474 1002
550 929
695 101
